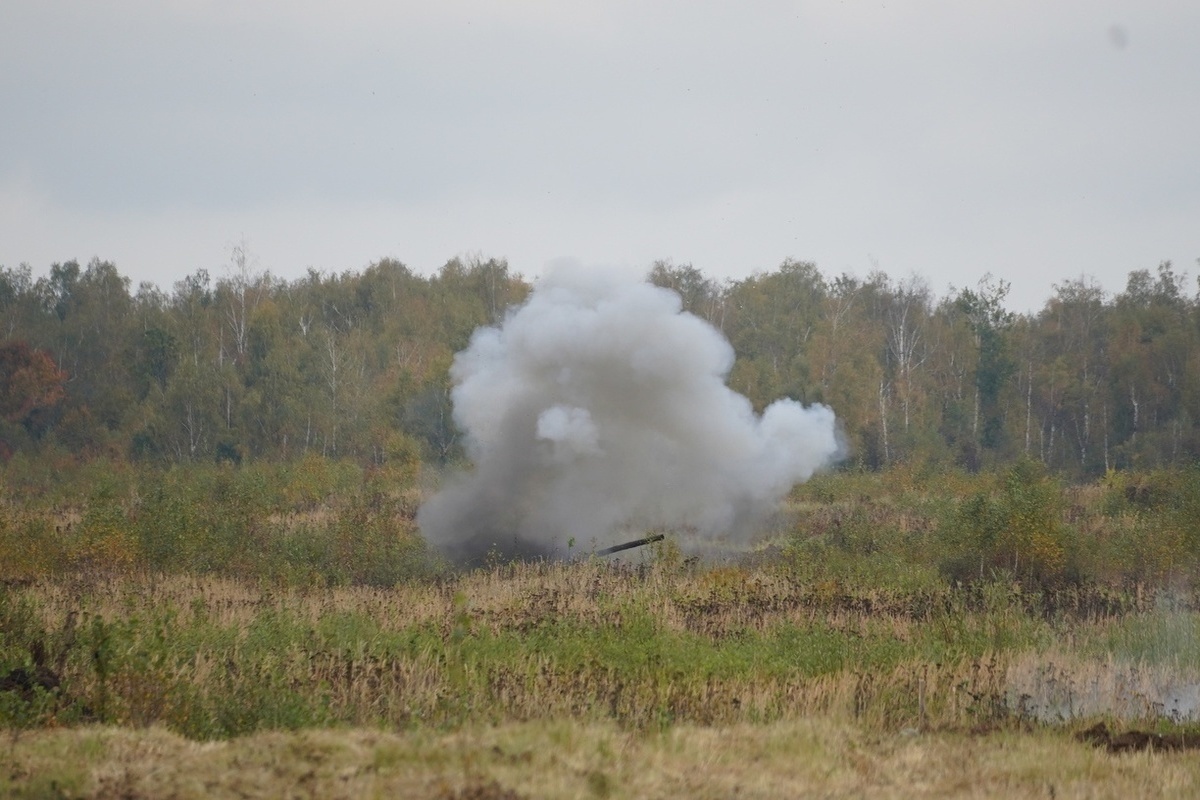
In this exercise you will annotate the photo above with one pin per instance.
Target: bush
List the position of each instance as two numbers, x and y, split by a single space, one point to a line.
1151 523
1014 529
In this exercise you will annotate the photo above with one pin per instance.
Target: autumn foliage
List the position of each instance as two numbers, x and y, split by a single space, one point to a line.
31 385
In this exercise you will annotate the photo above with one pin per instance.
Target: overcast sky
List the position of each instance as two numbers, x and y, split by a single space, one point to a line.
1036 141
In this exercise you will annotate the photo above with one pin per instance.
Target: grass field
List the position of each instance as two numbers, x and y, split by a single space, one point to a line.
586 679
886 640
573 759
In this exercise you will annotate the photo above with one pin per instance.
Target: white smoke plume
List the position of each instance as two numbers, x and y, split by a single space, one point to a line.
599 408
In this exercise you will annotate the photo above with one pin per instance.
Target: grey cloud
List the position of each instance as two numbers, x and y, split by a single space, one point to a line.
938 138
599 407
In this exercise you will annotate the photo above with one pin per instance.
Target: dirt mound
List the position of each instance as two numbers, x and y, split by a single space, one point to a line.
484 791
1135 740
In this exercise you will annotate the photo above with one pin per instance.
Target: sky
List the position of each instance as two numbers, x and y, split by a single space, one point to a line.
1036 142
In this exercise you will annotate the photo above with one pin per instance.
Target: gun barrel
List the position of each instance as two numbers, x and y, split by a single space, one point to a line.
616 548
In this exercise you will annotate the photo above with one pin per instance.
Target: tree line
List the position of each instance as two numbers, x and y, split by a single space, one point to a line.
356 365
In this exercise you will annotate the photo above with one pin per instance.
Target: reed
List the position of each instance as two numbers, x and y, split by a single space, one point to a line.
645 646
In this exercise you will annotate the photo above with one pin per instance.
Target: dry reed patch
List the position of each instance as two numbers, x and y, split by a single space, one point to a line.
715 603
564 759
214 657
520 596
516 596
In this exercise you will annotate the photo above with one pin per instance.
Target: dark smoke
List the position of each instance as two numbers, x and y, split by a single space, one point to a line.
599 408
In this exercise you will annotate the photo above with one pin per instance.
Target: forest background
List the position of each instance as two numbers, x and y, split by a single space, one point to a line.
355 366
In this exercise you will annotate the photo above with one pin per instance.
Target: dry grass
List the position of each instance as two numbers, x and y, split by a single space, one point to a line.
646 647
713 602
465 688
561 759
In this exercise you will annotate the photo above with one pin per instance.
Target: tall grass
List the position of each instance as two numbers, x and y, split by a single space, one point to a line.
219 600
331 522
312 522
653 646
909 527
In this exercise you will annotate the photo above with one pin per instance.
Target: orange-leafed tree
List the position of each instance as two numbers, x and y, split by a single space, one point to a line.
31 386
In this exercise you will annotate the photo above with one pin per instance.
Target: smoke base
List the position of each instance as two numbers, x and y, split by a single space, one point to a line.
599 407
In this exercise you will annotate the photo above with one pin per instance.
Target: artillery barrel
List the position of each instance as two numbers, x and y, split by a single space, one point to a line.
616 548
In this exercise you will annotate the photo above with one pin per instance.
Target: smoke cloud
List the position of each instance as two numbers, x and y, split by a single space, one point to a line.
599 408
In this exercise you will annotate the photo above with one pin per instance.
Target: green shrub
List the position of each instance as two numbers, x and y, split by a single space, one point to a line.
1013 529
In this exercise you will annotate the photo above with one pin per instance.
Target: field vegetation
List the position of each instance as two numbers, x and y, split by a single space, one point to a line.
884 620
